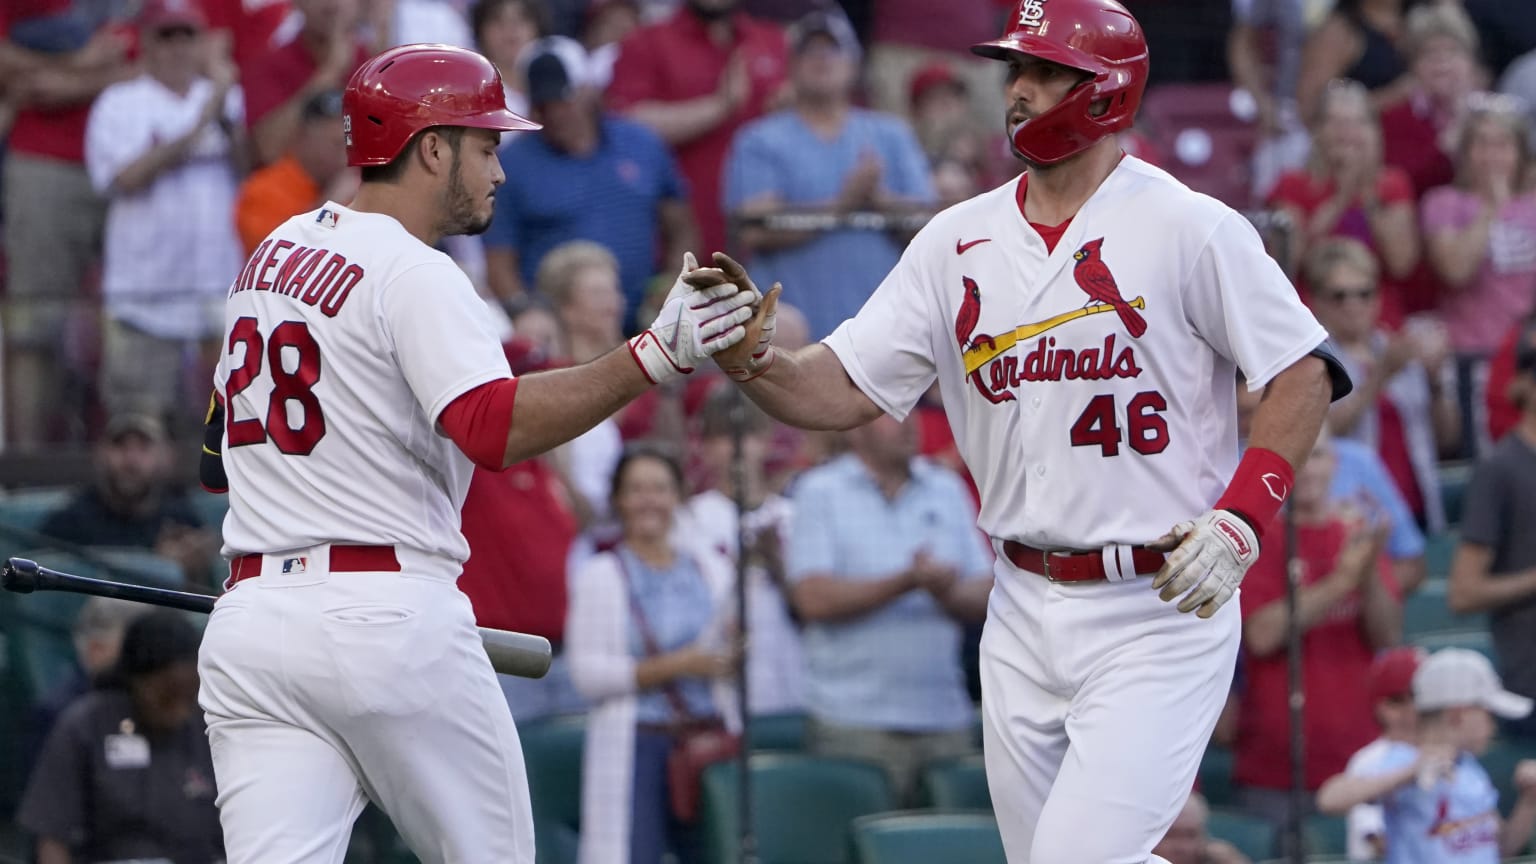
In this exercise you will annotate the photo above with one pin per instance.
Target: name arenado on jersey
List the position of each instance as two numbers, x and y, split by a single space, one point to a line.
313 276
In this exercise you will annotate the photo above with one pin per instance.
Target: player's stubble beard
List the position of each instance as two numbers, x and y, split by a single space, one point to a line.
461 214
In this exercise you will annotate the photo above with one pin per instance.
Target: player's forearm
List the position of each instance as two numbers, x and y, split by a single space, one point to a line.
809 389
554 407
829 598
681 122
1515 833
1342 791
1292 411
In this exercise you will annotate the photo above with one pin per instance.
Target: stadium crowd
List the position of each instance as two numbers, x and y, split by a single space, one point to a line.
1383 148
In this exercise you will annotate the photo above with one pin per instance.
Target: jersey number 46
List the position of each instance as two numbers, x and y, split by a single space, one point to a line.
289 345
1146 430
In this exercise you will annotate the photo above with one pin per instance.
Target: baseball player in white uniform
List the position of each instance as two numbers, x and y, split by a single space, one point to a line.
1085 323
362 377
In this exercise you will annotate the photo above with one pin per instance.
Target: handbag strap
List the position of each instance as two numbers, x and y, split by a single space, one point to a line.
673 693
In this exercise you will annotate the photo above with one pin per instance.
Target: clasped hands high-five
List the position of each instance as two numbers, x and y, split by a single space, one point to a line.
710 312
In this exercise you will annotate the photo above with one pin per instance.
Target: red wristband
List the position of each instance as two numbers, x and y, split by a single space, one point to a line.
1261 484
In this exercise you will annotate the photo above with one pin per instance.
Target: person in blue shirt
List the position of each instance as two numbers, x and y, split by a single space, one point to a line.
586 175
884 565
1440 805
823 154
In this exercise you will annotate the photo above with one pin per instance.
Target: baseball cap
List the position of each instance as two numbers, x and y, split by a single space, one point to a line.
123 425
169 14
931 77
325 104
1391 673
825 22
554 67
1458 677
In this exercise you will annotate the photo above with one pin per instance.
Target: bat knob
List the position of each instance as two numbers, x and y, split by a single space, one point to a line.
20 575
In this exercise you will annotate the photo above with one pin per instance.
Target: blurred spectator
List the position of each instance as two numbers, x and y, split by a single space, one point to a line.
409 22
320 57
1507 27
1188 841
1264 56
537 332
1345 191
824 154
1390 682
1399 406
580 279
907 35
695 78
130 504
244 30
313 171
647 635
1418 132
57 55
606 25
1360 40
1348 608
502 30
1480 237
1519 81
1494 569
166 150
775 663
127 774
98 639
520 525
1505 390
586 175
965 157
1438 801
885 569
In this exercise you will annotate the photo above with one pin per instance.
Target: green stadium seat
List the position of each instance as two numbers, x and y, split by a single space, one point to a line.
956 784
927 838
779 732
803 807
28 509
552 750
1252 836
1326 835
1500 761
1480 641
1426 610
1439 549
1215 777
210 508
1453 488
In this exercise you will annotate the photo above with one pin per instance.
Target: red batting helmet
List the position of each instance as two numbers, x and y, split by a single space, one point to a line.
410 88
1096 36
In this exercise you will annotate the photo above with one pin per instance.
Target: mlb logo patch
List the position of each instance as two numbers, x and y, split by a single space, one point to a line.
327 217
295 565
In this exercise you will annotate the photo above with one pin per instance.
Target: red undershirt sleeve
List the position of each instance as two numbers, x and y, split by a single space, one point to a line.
479 421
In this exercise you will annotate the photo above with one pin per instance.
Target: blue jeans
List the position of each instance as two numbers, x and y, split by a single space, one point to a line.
653 829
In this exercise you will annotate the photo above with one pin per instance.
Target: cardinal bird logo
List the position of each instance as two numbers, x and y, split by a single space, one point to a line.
965 324
1095 279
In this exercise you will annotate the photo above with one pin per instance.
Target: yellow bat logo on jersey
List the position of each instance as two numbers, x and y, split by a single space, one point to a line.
981 352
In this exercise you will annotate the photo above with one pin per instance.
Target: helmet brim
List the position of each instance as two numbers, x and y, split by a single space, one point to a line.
499 120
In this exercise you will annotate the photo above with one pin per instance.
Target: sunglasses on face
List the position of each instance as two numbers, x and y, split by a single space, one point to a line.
173 34
1341 295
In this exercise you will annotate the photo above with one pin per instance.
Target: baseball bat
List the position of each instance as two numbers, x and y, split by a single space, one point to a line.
520 654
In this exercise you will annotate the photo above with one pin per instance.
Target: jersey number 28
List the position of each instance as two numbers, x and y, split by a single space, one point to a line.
290 339
1146 429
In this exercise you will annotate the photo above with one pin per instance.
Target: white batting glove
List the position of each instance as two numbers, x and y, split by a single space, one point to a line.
695 321
1214 553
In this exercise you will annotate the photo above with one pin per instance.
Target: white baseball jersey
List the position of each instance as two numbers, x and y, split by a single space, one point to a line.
1091 390
346 337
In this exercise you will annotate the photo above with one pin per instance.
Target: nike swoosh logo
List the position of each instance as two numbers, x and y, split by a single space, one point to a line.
677 329
961 247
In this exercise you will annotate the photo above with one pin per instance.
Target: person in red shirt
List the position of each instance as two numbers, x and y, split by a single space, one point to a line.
695 78
1349 608
321 57
1507 393
55 60
1417 131
246 26
1346 191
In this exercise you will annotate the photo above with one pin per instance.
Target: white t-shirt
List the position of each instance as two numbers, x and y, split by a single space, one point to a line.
170 249
1366 820
380 334
1079 434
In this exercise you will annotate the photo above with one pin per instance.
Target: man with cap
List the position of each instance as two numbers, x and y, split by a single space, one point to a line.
313 171
130 504
586 175
822 153
165 150
1439 803
1390 682
1494 569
